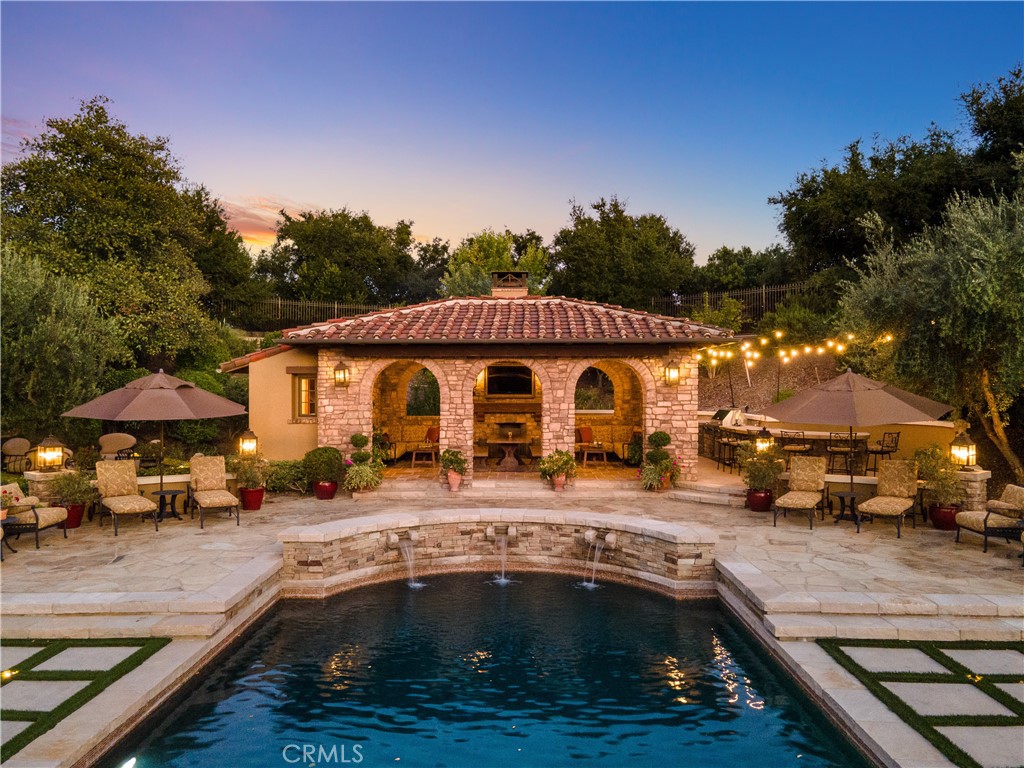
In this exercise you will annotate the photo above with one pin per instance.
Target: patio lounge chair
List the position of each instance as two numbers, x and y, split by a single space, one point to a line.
208 488
15 455
1002 517
897 489
806 489
118 487
26 515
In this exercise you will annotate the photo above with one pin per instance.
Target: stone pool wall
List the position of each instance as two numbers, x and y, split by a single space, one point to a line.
320 560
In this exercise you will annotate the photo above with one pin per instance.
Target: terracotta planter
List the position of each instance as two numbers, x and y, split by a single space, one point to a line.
454 480
558 482
75 512
325 491
759 501
943 517
252 498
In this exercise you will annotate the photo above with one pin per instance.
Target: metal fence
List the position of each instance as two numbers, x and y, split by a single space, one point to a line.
266 315
756 301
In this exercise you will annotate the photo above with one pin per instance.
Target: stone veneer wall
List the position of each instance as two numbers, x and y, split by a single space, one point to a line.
320 560
343 411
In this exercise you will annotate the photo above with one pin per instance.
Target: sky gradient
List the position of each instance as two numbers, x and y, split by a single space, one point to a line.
465 116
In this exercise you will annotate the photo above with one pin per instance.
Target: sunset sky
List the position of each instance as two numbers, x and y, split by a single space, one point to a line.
464 116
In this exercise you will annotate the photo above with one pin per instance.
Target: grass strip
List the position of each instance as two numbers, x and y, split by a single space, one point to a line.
43 722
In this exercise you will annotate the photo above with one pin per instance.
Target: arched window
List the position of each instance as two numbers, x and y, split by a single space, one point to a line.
595 391
423 398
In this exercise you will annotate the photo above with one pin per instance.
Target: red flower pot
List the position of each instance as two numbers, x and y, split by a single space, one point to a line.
325 491
943 517
252 498
759 501
558 482
75 512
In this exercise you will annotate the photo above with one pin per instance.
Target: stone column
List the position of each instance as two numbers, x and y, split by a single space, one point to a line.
974 484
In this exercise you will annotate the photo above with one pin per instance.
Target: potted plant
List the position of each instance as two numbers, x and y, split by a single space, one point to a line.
364 477
324 466
941 485
760 471
454 464
557 466
251 473
359 442
659 470
75 491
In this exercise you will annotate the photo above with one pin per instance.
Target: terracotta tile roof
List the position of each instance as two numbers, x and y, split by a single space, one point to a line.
528 319
252 357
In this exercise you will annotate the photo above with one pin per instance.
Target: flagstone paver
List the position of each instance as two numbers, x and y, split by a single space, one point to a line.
893 660
989 662
991 747
86 658
11 656
39 695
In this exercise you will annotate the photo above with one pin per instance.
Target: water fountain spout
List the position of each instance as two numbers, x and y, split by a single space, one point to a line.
405 546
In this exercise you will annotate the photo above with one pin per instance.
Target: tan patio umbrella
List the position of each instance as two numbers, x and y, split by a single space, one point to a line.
157 397
852 400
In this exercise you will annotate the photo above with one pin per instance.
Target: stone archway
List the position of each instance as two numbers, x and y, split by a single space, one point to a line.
390 405
508 398
613 426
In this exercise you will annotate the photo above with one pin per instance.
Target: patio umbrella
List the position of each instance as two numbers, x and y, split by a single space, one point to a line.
852 400
157 397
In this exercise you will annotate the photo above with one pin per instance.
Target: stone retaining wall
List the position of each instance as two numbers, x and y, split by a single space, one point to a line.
320 560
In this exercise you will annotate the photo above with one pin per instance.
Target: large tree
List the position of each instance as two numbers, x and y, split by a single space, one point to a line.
952 300
93 200
55 345
734 268
996 114
339 256
617 258
469 269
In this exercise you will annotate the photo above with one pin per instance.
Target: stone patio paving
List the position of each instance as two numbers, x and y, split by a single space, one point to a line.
831 580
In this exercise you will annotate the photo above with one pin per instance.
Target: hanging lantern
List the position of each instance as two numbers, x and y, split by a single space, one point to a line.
342 375
672 373
50 454
248 443
963 451
763 440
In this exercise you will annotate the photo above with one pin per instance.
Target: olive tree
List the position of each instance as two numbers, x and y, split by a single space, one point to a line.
943 313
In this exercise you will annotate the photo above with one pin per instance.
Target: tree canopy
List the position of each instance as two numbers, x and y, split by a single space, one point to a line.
617 258
339 256
469 269
952 300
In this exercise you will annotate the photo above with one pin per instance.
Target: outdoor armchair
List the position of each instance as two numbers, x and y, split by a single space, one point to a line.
1001 517
26 515
208 488
118 487
897 489
806 489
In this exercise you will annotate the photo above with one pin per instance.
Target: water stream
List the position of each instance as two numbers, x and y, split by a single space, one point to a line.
405 547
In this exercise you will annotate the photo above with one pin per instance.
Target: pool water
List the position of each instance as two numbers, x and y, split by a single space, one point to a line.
540 672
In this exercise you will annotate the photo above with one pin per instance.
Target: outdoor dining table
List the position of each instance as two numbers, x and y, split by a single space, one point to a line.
510 446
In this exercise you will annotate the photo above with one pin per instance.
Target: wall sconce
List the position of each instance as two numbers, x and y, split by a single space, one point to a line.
672 373
963 451
763 440
342 375
50 454
248 443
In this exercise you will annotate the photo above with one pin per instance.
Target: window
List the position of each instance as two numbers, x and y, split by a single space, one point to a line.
305 396
509 380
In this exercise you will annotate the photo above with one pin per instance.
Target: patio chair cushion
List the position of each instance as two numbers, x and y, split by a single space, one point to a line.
23 499
807 473
1002 508
799 500
216 498
886 506
897 478
1011 498
977 520
132 504
207 473
47 516
116 478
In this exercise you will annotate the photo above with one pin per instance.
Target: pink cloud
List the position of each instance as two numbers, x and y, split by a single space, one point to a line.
14 130
256 218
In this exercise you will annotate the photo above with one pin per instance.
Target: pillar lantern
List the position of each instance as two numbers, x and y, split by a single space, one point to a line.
50 454
248 443
763 440
672 373
342 375
963 451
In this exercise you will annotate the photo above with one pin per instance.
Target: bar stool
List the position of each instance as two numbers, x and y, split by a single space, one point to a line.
839 448
885 448
793 443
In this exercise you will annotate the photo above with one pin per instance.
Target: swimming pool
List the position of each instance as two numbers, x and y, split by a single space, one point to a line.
463 672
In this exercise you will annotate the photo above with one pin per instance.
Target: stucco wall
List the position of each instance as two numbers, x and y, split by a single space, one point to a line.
270 406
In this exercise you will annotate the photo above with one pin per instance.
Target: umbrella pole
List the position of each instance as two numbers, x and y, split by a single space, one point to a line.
161 457
849 458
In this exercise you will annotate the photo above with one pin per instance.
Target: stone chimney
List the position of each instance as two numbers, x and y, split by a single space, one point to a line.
509 285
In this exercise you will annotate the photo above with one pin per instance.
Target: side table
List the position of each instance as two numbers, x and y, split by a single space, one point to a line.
164 496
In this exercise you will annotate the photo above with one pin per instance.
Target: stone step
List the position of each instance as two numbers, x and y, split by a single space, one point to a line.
805 626
50 627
